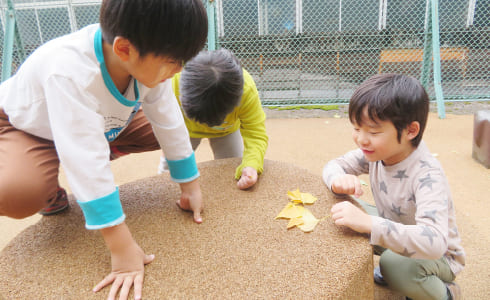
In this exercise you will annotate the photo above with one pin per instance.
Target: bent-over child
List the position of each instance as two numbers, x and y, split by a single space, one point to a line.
77 99
219 101
415 229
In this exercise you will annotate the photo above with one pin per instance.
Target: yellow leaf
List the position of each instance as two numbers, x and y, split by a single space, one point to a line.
295 196
298 197
307 198
291 211
295 221
309 221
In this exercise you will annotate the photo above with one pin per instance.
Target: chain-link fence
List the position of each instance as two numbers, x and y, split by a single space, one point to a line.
40 21
465 49
314 51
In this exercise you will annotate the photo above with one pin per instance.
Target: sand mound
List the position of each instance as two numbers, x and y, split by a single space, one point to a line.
239 251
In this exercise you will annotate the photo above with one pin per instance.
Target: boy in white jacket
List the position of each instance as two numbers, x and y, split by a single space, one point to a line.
77 99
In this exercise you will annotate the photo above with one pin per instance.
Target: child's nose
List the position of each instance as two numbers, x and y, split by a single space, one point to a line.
172 72
178 68
362 138
175 70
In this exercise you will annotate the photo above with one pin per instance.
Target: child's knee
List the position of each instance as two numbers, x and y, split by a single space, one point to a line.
397 269
20 199
388 259
414 278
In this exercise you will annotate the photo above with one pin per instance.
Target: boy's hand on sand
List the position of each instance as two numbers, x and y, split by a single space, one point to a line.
191 199
347 214
128 264
248 179
347 184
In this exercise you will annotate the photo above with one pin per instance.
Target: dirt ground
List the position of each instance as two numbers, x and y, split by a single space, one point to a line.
309 138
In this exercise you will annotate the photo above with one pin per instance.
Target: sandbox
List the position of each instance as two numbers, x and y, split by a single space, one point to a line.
239 251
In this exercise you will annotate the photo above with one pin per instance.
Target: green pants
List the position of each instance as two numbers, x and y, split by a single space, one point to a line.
414 278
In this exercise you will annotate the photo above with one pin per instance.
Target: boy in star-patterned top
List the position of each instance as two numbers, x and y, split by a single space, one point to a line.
415 226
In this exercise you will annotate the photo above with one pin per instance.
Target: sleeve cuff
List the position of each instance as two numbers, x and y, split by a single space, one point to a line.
239 169
184 170
103 212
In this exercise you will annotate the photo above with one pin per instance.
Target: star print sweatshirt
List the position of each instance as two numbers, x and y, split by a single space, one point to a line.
416 212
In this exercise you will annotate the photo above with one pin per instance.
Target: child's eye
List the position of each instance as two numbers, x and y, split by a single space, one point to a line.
181 63
174 62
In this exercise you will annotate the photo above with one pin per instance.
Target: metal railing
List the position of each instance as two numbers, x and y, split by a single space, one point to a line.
309 51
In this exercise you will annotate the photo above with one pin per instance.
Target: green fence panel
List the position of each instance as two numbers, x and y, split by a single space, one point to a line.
2 30
315 51
465 49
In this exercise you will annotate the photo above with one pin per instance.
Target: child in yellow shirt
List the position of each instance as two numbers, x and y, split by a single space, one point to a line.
219 101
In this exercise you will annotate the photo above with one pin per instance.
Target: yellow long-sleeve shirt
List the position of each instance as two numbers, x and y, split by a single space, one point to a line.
248 116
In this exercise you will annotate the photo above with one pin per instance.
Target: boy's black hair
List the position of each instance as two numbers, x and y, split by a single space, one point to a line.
397 98
173 28
211 86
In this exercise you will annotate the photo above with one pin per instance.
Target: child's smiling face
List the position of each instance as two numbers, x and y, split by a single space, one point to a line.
378 140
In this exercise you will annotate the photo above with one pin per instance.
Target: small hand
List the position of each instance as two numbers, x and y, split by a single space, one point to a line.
249 178
191 199
128 261
124 281
346 214
347 184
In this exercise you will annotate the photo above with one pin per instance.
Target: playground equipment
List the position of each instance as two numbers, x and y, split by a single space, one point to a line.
481 137
240 250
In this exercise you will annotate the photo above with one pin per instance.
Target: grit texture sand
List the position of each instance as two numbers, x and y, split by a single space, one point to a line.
300 143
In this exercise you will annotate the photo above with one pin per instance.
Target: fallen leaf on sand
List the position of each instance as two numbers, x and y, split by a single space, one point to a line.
309 221
295 222
291 211
298 197
308 198
294 196
297 214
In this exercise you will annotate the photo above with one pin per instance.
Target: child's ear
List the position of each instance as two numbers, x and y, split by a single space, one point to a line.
413 130
122 48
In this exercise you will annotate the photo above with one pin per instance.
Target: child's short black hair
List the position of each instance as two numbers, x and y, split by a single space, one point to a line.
211 86
172 28
397 98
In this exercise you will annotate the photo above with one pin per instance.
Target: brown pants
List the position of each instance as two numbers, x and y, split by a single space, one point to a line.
29 165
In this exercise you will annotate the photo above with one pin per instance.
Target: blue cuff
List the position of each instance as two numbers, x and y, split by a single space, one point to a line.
184 170
103 212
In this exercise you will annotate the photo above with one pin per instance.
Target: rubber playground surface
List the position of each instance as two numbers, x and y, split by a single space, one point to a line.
309 139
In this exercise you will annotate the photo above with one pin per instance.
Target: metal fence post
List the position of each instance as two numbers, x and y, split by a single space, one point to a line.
436 57
210 8
11 34
8 44
427 58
